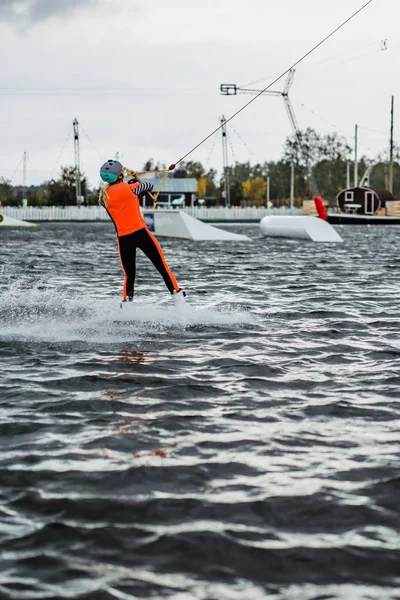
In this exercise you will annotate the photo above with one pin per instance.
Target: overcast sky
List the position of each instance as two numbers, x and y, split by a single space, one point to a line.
143 78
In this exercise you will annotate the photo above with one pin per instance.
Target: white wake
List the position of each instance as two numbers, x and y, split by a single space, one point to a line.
40 313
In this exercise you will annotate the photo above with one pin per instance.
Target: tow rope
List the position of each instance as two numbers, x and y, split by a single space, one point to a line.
135 175
172 167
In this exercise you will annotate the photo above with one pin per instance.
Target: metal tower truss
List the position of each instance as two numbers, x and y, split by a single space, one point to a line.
231 89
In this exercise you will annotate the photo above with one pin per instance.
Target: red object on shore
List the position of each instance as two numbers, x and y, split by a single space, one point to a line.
319 205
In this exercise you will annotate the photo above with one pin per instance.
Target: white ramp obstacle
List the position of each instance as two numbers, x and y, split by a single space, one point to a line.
178 224
10 222
299 227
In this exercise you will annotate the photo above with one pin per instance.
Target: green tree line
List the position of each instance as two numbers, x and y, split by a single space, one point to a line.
324 159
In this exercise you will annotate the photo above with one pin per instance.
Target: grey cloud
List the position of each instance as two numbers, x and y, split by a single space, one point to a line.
24 11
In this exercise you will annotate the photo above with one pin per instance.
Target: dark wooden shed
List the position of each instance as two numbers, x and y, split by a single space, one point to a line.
362 200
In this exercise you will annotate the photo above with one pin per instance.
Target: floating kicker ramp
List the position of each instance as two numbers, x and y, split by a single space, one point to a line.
299 227
10 222
178 224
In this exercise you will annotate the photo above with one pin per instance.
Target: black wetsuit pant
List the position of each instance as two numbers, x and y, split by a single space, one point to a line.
149 245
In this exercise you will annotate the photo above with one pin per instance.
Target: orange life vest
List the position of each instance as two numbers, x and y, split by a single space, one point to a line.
123 206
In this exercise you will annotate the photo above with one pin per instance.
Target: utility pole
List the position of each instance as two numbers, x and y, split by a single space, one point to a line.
291 184
348 184
268 190
225 161
391 148
78 189
355 156
24 179
24 172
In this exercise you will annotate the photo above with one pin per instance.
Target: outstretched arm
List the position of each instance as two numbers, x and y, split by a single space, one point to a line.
142 188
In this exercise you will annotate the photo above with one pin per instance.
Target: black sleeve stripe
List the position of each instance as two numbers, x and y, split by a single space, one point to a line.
143 188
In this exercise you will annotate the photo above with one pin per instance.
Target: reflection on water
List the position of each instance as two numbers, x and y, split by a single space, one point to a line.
133 357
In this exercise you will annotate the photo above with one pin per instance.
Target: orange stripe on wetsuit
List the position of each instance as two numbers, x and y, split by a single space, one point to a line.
124 290
170 273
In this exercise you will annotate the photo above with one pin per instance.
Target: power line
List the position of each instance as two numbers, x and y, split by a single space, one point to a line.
91 142
345 53
61 152
321 61
208 160
335 127
259 80
17 167
101 91
242 140
347 60
386 133
231 147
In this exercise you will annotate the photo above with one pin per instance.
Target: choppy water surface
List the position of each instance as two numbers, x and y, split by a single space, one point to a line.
243 446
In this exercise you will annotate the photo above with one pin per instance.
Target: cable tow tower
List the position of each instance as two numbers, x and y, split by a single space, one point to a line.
231 89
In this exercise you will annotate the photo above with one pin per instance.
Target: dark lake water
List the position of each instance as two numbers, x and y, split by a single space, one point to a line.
242 446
